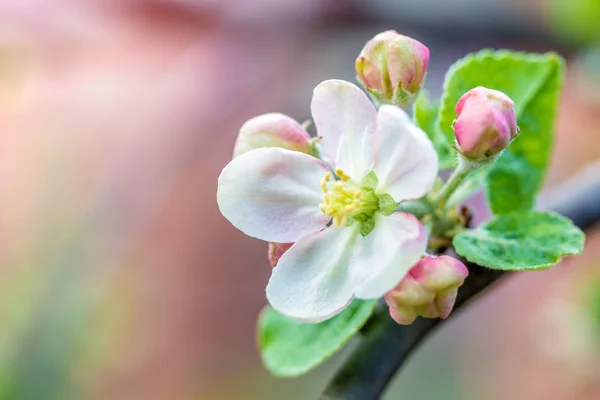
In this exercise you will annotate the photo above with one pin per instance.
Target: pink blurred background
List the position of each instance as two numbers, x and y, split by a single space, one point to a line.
119 279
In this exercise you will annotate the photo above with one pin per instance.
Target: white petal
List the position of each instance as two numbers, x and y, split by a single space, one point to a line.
311 280
384 256
273 194
405 161
345 118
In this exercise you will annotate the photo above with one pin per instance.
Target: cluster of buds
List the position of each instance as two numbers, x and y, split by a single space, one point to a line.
429 290
486 123
392 68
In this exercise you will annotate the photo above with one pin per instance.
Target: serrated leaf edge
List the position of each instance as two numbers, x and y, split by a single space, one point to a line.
496 55
530 268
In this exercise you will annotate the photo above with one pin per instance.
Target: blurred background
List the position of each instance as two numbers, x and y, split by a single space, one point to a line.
119 279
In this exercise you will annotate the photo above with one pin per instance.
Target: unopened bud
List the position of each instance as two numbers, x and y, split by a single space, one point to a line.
272 130
486 123
392 67
429 290
276 250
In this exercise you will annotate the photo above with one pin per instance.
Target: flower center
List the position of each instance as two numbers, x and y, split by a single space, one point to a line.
345 198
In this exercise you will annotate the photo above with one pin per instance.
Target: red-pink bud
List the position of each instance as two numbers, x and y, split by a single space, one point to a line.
276 250
429 290
272 130
485 124
392 67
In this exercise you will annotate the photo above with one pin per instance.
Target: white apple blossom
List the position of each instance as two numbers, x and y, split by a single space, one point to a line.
348 243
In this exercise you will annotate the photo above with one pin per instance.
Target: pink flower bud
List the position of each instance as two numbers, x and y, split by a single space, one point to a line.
485 124
272 130
429 290
392 67
276 250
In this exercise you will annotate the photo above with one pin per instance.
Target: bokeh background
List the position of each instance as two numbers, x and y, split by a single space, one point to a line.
119 279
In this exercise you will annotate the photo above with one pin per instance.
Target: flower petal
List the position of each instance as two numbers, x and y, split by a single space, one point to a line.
311 282
273 194
383 257
345 118
272 130
404 158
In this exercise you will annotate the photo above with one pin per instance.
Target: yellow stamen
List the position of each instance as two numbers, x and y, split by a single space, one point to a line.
325 180
345 198
339 172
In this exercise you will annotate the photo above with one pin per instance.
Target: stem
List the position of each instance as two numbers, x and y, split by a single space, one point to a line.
464 168
385 346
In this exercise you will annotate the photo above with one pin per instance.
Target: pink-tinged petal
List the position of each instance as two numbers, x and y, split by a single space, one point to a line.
272 130
392 68
408 300
311 281
408 63
382 37
404 158
273 194
441 276
345 118
486 123
383 257
439 273
429 290
276 250
369 74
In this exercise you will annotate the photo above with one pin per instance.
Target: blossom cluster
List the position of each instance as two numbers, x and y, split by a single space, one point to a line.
329 205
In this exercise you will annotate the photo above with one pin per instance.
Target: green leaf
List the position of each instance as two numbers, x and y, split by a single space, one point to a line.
577 23
591 299
290 348
425 115
533 81
521 241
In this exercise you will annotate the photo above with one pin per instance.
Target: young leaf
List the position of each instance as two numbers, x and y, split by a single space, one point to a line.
533 81
521 241
291 348
425 115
